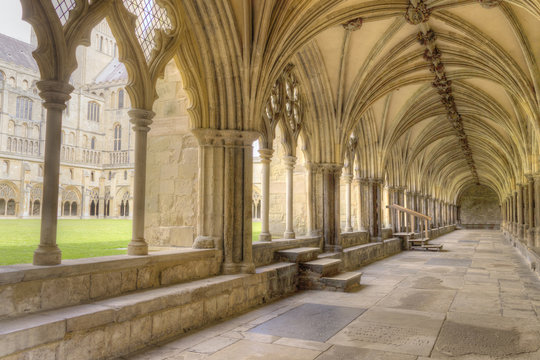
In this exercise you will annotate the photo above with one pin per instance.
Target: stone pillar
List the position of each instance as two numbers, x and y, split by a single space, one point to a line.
330 201
141 120
348 180
311 180
55 95
266 157
392 199
530 211
289 162
359 205
364 198
225 190
537 209
520 207
514 214
374 208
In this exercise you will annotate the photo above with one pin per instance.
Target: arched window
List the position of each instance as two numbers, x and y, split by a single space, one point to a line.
121 99
10 211
93 111
93 143
92 176
126 208
125 174
92 208
121 208
24 108
107 208
7 200
101 43
73 208
117 138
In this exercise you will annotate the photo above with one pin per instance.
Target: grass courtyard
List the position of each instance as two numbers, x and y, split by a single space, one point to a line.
76 238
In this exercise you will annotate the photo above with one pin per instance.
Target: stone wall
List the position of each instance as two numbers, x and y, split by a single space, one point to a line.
172 167
26 289
479 208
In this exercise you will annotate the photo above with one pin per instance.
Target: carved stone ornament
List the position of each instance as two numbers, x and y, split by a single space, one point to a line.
417 15
489 3
353 24
427 38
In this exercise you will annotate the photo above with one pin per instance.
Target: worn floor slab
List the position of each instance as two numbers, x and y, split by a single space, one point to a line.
474 300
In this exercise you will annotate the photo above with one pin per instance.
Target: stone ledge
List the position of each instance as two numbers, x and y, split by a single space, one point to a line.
265 252
354 238
141 319
26 289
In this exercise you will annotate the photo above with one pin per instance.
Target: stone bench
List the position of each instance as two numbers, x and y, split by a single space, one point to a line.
113 327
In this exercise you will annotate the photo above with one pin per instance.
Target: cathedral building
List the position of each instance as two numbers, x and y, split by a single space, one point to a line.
96 173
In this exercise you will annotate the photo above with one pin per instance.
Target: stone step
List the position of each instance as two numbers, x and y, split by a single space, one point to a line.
423 241
404 234
432 247
298 255
330 255
322 267
346 281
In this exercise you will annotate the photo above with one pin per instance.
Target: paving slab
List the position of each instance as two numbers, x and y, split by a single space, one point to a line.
304 322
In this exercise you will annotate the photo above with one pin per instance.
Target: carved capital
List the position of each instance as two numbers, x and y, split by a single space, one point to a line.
215 137
266 155
289 161
54 93
141 119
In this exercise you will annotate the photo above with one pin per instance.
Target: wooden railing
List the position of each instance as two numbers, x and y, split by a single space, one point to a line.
424 218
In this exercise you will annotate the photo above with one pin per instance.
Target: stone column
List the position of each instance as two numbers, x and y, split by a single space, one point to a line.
359 205
311 174
55 95
392 199
537 209
289 162
331 215
141 120
530 211
374 207
101 210
514 214
348 180
266 156
520 208
225 190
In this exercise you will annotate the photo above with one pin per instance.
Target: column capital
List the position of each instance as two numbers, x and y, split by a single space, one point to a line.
330 167
266 155
289 161
536 176
216 137
348 178
530 178
141 119
55 93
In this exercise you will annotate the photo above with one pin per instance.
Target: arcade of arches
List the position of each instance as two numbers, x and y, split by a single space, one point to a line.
353 105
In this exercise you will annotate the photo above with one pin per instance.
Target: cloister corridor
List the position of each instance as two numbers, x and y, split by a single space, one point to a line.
477 299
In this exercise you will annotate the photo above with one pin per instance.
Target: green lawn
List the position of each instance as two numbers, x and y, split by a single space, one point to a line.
76 238
255 230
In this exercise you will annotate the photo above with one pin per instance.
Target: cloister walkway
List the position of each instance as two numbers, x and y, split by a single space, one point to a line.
475 300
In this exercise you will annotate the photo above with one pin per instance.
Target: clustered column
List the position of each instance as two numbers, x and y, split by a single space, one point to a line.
331 216
266 156
537 209
55 95
530 211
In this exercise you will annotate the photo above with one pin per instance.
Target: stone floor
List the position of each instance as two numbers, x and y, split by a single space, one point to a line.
474 300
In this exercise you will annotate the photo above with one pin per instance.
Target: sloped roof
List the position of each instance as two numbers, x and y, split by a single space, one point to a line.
17 52
114 71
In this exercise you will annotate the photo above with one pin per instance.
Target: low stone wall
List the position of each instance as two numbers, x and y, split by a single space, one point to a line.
265 252
110 328
354 238
481 226
387 233
26 289
361 255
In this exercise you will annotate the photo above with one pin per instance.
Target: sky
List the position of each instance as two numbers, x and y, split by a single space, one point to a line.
11 23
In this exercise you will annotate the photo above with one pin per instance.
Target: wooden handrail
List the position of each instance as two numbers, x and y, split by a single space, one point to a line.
409 211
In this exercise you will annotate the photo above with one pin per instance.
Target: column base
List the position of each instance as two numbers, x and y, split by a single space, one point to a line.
204 242
530 237
138 247
289 235
265 237
47 255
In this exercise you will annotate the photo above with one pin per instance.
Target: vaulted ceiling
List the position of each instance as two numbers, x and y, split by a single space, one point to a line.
440 94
